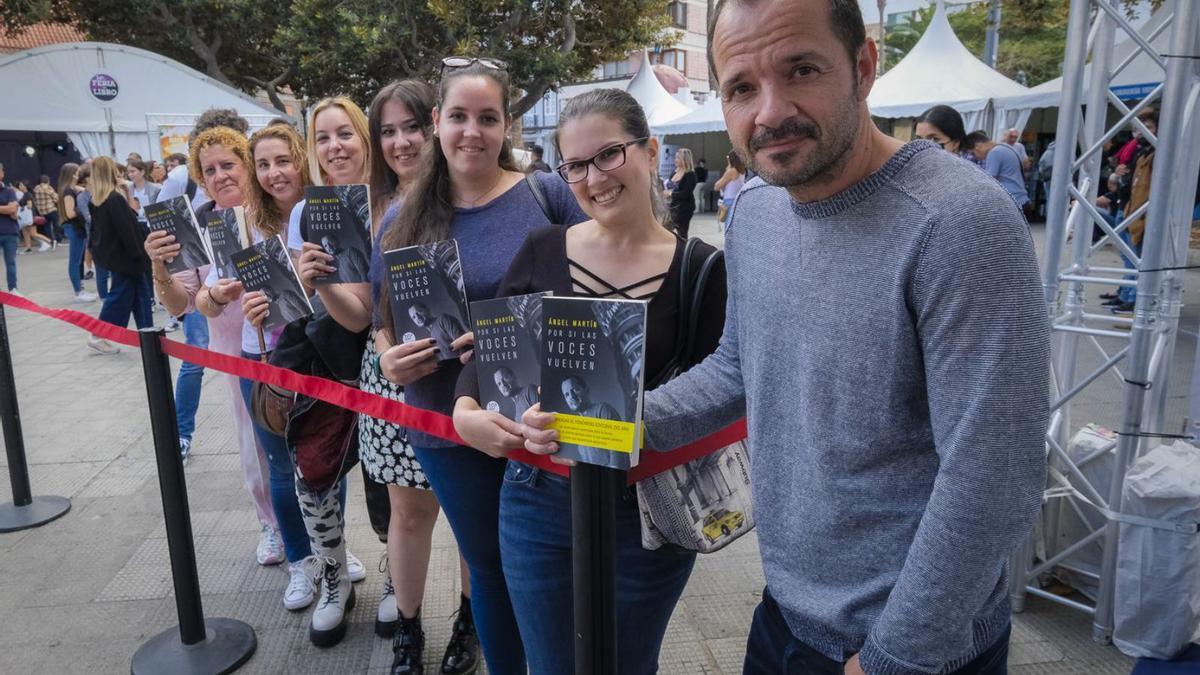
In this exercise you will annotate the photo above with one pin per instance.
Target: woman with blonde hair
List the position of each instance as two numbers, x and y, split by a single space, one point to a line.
117 240
221 162
680 192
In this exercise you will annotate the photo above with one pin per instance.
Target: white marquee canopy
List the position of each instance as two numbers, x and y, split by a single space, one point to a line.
940 70
654 98
110 99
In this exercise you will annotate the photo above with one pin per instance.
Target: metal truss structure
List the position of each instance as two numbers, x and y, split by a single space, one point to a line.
1143 363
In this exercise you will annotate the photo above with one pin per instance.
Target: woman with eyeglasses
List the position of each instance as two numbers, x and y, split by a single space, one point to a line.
622 251
944 126
468 188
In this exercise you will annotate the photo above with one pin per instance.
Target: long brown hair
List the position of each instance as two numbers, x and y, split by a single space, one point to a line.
105 179
262 211
427 218
66 181
418 98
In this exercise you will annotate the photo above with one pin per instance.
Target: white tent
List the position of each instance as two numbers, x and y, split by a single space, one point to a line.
940 70
110 99
658 103
708 117
1135 81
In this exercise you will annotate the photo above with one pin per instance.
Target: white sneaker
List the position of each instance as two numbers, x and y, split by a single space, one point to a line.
13 291
83 297
354 567
101 345
270 547
328 625
302 583
43 247
387 617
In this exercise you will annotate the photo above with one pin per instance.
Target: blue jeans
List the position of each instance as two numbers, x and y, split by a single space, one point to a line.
284 502
187 385
467 484
771 649
130 294
1129 293
101 281
78 242
8 242
535 545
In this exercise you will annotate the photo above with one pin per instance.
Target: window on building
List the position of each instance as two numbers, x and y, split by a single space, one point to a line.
616 69
676 58
678 12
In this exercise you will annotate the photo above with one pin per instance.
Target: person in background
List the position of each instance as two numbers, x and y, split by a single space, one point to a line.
729 185
536 161
1133 186
45 204
10 231
158 172
701 170
1002 163
944 126
143 191
1012 138
117 243
680 192
74 227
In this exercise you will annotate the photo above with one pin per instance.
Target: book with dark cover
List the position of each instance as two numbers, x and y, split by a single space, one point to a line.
593 355
338 219
508 335
267 267
225 230
175 217
425 288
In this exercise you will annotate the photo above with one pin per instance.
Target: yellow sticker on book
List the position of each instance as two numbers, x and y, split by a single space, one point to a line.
612 435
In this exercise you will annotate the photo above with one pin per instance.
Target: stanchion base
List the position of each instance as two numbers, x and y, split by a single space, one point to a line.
39 512
229 644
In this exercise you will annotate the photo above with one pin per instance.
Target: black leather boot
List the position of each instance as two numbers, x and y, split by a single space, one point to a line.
408 643
462 654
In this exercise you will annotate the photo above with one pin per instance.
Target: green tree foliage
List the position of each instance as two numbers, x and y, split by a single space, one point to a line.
352 47
1033 36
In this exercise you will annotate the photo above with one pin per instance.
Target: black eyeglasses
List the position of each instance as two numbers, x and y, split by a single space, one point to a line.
608 159
464 61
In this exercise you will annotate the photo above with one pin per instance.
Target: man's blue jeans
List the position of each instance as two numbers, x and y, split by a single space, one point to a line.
8 242
78 243
467 484
187 385
130 294
771 649
535 546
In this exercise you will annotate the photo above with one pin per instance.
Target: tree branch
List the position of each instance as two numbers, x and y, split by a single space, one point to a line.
272 86
206 53
537 89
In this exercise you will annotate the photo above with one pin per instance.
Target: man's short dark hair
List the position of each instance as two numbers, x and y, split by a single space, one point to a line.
281 120
537 149
44 178
1149 115
178 157
845 17
218 117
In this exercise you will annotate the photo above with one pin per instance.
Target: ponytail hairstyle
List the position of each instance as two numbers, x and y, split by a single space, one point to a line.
427 218
358 120
618 105
262 210
418 98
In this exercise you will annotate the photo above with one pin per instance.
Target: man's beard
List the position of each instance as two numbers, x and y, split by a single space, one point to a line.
823 161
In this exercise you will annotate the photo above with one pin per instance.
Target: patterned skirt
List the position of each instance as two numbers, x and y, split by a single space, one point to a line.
383 447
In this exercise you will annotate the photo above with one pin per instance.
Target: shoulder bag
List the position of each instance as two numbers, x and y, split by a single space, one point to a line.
705 504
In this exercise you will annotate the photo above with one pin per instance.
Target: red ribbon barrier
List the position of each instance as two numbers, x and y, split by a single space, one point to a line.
351 398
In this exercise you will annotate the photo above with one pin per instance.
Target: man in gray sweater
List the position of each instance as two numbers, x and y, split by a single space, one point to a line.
887 340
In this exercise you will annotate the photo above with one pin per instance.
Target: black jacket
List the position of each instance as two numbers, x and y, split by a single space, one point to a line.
117 237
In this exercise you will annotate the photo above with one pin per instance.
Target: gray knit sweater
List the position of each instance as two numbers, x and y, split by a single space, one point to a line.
890 349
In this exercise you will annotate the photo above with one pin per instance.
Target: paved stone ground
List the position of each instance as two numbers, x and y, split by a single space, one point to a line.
80 595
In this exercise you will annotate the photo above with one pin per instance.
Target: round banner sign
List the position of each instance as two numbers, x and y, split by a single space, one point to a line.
103 87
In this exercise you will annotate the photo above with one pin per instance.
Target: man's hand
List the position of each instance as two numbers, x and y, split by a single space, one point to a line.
853 667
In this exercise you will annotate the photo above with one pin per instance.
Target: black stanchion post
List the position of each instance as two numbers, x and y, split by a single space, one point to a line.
26 511
594 562
199 645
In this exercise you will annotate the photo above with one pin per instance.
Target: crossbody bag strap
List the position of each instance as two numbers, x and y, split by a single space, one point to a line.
697 305
539 196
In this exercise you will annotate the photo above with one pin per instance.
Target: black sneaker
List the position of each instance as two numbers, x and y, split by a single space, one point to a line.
408 643
462 654
1123 308
1109 296
1112 302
